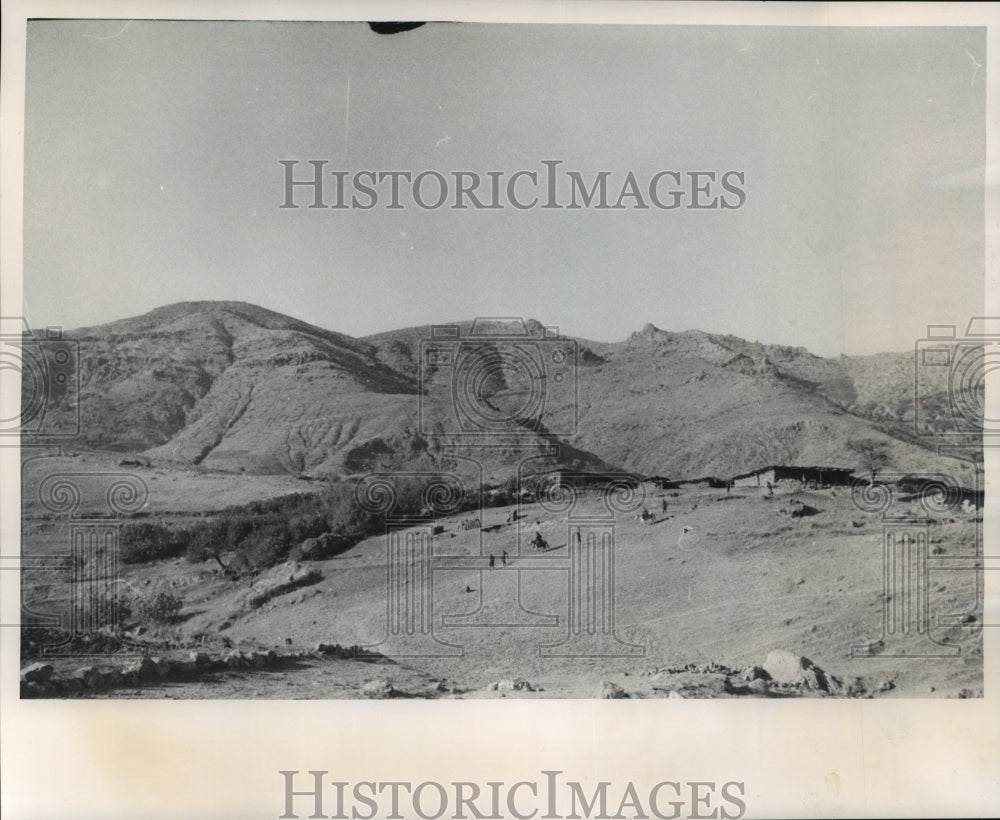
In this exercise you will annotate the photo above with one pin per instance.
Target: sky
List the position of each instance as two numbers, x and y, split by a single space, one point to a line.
153 149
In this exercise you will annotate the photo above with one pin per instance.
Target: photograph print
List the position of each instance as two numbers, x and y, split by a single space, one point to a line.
457 360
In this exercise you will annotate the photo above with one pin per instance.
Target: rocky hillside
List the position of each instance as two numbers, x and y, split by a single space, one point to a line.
695 404
235 387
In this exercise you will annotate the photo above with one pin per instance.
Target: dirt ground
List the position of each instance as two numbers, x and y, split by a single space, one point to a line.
717 583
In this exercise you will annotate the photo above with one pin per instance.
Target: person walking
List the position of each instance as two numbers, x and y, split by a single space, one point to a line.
503 558
493 561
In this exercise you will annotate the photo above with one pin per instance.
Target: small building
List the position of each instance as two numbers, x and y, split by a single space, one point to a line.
660 482
805 476
703 482
586 479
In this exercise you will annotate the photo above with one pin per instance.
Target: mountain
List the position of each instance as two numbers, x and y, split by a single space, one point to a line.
697 404
235 387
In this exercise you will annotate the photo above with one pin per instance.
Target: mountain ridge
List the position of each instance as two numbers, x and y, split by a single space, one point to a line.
237 387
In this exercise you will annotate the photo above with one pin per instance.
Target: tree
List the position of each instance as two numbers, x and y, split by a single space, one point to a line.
872 454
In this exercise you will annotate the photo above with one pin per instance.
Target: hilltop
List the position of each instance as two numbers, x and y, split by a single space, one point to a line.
235 387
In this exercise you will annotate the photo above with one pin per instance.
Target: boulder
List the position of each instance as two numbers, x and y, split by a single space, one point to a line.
378 688
188 670
511 685
143 671
755 672
37 672
90 675
162 667
112 678
788 668
612 691
34 689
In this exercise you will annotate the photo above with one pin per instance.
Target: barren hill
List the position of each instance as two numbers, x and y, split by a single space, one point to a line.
695 404
236 387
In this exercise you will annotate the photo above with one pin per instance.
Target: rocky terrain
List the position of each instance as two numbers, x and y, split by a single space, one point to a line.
234 387
721 597
254 572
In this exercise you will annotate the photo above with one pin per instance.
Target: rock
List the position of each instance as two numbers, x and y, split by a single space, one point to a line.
236 660
788 668
90 675
258 660
675 695
511 685
755 672
759 686
34 689
199 657
886 686
37 672
188 670
112 678
378 688
857 688
162 668
612 691
143 671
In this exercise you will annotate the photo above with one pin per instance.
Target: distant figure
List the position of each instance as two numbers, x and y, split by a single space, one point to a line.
503 558
663 506
468 588
578 538
770 488
493 561
729 486
539 542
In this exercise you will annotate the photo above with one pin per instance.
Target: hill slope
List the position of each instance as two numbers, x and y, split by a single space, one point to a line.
235 387
694 404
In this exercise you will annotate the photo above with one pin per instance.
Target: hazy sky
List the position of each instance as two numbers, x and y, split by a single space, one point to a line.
152 175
